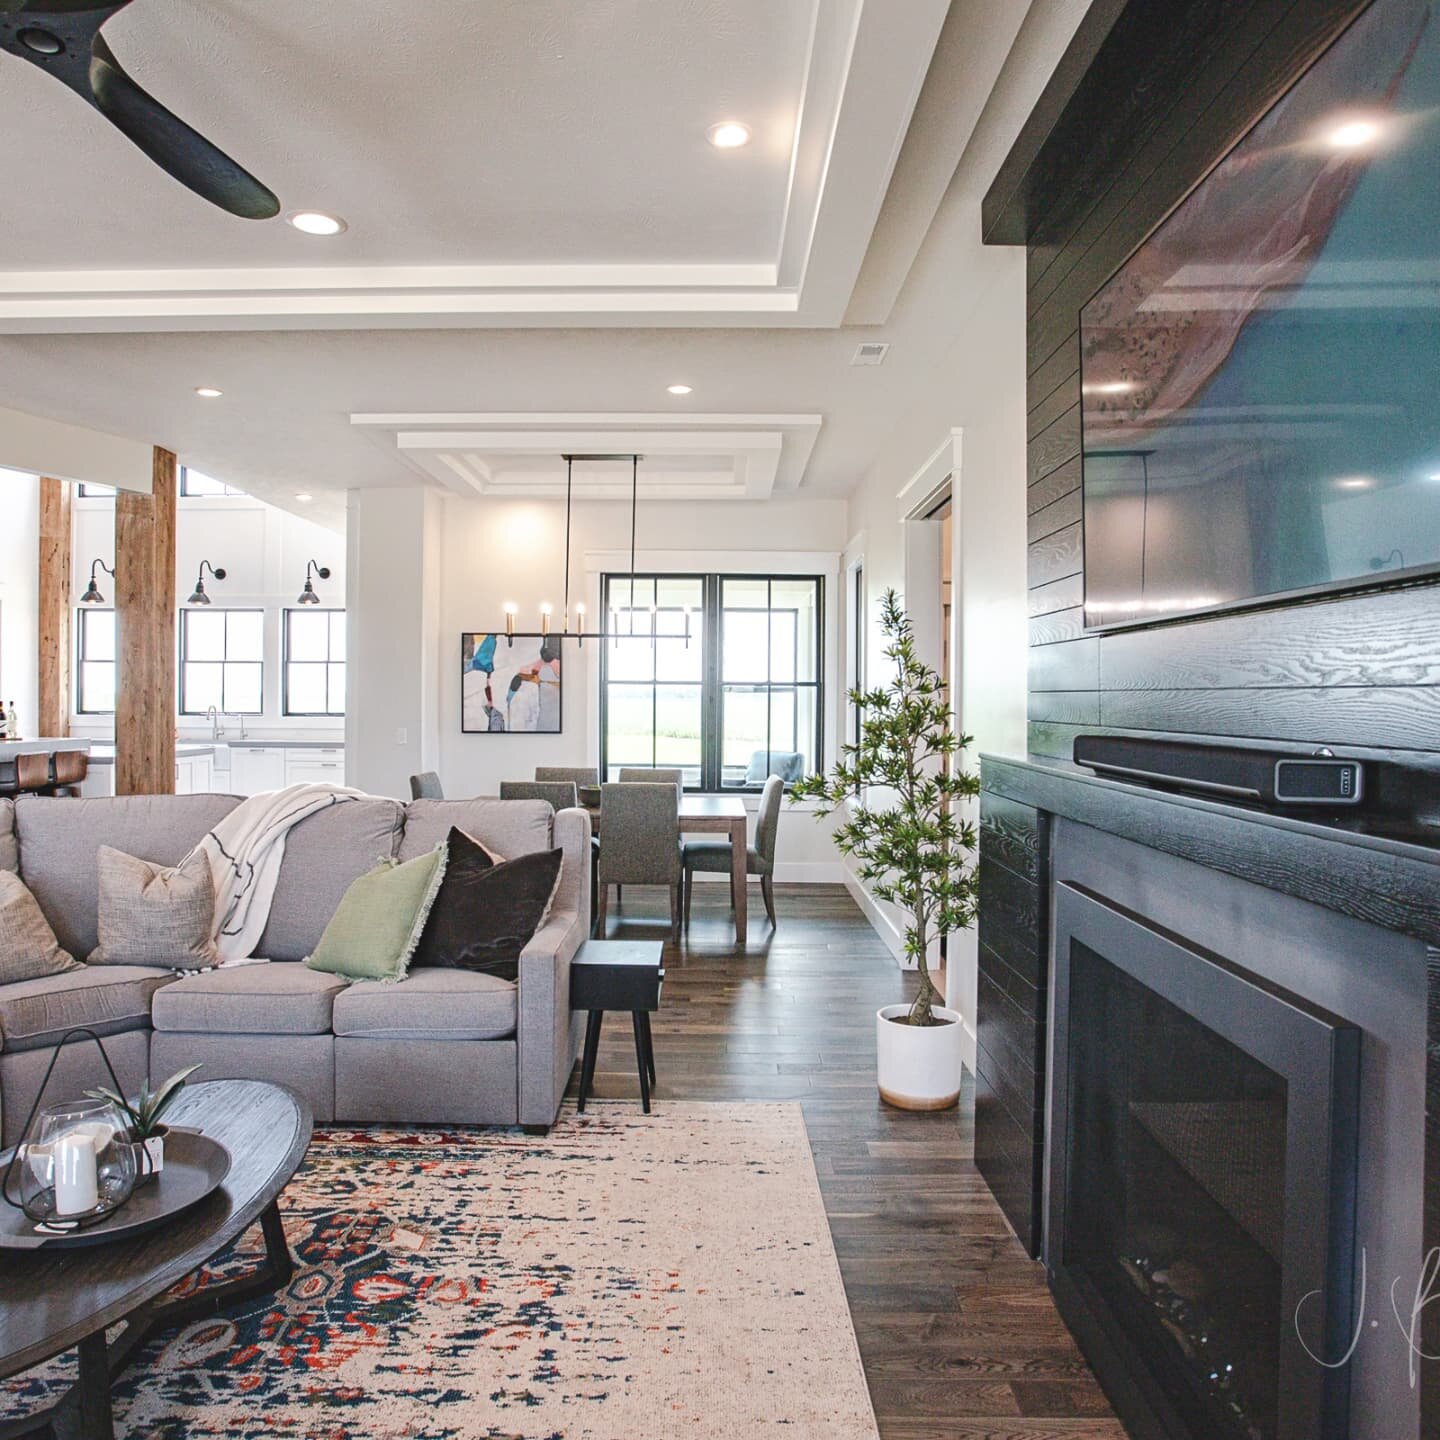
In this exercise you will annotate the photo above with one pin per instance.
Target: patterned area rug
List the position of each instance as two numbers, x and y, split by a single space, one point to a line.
626 1276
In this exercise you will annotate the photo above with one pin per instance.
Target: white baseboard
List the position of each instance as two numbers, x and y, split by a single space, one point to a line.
880 922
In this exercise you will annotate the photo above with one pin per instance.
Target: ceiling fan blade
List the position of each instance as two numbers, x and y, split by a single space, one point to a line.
180 151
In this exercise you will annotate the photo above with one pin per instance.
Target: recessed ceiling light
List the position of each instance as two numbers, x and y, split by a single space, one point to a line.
679 389
1353 134
304 499
316 222
729 135
208 392
1356 482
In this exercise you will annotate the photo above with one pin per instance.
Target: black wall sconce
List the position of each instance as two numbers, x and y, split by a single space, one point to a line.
308 595
199 597
92 595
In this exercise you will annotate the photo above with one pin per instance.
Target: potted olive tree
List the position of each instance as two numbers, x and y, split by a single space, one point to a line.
899 783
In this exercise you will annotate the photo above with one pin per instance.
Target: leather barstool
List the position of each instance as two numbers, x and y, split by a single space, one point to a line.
71 768
32 773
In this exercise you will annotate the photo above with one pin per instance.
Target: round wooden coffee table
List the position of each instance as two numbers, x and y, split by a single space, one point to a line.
61 1299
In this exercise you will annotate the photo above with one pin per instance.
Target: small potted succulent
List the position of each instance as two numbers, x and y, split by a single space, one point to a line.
899 784
144 1115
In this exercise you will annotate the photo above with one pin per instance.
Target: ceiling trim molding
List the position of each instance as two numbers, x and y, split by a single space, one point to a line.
710 457
866 63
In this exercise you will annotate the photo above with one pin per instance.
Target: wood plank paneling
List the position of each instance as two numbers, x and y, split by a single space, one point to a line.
1059 626
1010 833
1065 707
1053 486
1056 556
1058 442
1063 594
1056 516
145 634
52 717
1070 665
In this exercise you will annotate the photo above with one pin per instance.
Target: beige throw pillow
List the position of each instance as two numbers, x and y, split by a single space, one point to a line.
153 914
28 947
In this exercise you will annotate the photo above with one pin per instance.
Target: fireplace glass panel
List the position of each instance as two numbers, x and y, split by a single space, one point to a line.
1176 1203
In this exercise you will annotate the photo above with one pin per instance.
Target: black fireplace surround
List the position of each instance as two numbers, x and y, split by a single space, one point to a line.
1202 1178
1208 1096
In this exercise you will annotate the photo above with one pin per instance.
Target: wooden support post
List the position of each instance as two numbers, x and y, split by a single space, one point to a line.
145 634
52 711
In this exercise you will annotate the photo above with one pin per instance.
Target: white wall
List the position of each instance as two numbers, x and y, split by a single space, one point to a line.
500 550
20 594
263 551
974 296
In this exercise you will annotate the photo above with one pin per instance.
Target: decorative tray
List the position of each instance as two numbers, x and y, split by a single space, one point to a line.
195 1166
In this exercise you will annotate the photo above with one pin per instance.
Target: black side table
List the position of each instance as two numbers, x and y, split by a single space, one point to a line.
617 975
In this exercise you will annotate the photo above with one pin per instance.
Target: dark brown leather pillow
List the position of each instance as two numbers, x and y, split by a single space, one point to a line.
487 910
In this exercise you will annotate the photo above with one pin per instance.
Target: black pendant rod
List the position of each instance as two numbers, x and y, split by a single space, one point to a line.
634 497
569 472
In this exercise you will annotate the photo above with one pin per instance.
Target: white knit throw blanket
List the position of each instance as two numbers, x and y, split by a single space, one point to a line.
245 850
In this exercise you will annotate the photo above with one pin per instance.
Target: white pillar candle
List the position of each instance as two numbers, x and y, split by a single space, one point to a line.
76 1178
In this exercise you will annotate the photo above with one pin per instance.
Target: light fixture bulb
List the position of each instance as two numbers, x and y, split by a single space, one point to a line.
1354 134
679 389
304 499
729 135
208 392
316 222
1356 482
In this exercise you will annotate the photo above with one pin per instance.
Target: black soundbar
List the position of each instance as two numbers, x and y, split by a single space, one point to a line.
1268 776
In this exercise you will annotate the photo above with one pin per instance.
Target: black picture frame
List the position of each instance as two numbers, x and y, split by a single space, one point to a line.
501 705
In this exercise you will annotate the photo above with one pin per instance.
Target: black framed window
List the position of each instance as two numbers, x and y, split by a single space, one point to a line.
193 483
95 661
742 699
222 661
314 662
94 492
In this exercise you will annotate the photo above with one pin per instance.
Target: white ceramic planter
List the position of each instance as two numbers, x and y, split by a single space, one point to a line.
919 1065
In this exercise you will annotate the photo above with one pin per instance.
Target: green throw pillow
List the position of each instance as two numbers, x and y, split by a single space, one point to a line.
374 932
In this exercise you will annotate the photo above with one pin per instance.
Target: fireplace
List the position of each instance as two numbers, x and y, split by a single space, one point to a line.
1200 1215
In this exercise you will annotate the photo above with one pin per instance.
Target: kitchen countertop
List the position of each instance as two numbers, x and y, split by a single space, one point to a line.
10 748
252 742
184 750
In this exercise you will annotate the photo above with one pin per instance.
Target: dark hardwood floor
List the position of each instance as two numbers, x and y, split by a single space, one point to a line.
956 1327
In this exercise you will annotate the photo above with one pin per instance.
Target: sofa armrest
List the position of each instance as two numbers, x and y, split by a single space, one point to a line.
547 1034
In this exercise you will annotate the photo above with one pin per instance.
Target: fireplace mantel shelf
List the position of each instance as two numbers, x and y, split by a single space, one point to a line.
1385 880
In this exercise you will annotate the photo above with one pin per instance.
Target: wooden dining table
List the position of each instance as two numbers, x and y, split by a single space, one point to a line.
712 815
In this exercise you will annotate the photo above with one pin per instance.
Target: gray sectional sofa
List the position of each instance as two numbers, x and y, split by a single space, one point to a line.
441 1046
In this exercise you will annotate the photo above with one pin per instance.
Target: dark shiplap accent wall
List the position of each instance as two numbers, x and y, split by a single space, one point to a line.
1151 94
1010 1020
1361 671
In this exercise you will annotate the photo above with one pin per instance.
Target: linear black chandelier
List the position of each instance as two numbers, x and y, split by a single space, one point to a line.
580 634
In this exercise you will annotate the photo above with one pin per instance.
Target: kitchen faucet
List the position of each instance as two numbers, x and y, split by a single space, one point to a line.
216 728
239 715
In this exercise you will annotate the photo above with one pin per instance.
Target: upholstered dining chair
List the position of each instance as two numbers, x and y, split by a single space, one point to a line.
560 793
426 786
632 776
579 774
639 843
714 854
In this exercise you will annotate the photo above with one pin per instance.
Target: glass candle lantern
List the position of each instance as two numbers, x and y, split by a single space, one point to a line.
76 1165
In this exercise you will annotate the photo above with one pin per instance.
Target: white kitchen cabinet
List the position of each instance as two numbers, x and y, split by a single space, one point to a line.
254 768
323 765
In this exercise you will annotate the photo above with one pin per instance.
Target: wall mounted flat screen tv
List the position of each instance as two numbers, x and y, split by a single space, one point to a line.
1261 379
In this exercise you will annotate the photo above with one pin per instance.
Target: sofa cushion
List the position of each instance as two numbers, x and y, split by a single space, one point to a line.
506 827
324 855
28 948
374 932
109 999
9 850
486 914
428 1005
279 999
152 914
59 839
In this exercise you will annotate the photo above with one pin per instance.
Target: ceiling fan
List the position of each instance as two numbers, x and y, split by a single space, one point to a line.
63 38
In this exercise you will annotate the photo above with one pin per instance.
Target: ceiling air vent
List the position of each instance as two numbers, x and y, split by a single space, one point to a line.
871 352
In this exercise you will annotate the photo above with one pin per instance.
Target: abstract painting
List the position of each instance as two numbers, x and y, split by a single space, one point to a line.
509 684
